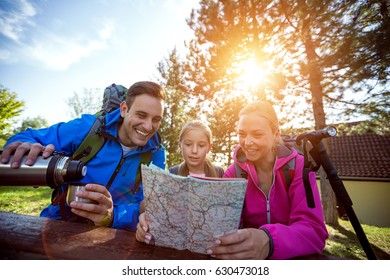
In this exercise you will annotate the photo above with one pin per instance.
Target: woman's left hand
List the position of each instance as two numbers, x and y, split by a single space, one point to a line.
102 213
248 243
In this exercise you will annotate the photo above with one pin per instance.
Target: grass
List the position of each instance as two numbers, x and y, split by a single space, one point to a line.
342 241
24 200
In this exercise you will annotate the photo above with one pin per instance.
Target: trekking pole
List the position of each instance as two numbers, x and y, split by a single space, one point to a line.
320 156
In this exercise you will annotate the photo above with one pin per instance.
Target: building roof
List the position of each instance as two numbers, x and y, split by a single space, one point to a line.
366 156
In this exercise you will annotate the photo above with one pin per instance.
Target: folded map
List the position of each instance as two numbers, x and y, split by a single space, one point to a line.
188 212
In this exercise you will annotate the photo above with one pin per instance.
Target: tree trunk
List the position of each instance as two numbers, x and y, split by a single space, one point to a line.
328 197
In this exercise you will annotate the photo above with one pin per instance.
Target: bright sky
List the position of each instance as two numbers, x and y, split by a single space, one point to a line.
51 49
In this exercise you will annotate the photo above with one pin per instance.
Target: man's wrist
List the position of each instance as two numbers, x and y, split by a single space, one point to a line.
106 221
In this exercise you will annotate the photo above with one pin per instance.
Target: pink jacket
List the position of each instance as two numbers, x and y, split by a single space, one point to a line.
294 228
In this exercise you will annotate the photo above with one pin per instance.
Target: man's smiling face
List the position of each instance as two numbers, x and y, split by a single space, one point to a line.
141 121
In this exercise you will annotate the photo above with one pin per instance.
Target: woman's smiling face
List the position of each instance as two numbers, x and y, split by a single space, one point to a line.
256 136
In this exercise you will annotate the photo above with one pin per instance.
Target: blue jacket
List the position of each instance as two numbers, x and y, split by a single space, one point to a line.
66 137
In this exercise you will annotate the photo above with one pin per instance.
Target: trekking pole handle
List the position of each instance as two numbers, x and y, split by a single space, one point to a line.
317 135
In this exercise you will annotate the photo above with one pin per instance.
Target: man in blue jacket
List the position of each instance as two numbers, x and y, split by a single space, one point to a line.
133 132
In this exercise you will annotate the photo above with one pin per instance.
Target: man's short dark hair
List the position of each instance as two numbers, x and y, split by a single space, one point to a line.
144 87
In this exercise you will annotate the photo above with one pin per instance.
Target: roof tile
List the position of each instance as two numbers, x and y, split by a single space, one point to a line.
361 155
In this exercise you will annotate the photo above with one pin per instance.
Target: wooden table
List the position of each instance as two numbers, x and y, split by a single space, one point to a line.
27 237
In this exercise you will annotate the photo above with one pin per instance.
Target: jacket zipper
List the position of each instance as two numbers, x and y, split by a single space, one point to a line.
268 206
117 169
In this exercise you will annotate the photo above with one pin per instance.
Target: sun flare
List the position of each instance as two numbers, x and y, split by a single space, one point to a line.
252 73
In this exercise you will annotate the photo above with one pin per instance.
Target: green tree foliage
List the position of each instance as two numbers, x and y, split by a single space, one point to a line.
223 123
374 126
311 49
178 109
10 108
89 102
338 61
320 50
34 123
367 55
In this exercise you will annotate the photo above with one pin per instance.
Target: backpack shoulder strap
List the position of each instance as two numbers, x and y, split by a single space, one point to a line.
174 170
287 172
145 159
92 143
240 173
220 171
308 190
88 148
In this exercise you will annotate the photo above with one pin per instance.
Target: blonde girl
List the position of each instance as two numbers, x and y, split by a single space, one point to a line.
195 141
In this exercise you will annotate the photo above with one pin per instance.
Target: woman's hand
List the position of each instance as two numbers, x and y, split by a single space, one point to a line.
142 234
102 213
246 243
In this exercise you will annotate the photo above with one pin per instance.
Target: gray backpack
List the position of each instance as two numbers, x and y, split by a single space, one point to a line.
112 98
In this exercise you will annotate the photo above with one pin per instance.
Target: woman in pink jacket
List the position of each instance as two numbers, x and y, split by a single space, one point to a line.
276 221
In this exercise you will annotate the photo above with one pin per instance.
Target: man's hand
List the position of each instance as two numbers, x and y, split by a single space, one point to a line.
19 150
102 213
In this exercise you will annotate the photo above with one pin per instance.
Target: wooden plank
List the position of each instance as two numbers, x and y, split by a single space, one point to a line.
28 237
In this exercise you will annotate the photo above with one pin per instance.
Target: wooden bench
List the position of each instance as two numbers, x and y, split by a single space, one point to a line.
28 237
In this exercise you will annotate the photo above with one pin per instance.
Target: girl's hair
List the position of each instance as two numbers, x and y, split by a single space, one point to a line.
264 110
196 124
209 168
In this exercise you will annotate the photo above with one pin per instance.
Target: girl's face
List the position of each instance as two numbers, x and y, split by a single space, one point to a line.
195 146
256 137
